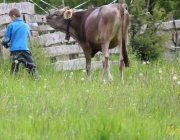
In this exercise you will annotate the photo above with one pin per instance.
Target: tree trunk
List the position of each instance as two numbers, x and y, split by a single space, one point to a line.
147 5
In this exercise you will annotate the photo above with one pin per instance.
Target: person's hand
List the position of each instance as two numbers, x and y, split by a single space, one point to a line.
5 46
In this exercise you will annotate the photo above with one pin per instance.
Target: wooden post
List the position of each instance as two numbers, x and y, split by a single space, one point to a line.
177 45
1 52
177 39
122 1
171 18
147 5
63 3
91 6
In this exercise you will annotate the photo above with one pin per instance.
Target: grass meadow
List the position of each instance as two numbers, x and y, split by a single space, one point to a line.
63 105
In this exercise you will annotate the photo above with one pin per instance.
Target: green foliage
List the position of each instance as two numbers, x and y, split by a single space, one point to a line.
148 44
171 7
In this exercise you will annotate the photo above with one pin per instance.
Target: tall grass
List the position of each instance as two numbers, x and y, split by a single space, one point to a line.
63 105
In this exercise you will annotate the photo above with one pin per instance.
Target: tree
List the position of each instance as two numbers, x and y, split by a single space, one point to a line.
147 44
170 6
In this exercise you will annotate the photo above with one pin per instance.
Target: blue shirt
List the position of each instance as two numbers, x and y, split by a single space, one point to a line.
17 35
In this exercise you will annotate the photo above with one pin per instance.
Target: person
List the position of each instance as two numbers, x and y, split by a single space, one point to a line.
16 39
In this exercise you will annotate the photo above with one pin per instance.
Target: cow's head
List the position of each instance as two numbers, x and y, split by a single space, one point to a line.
58 19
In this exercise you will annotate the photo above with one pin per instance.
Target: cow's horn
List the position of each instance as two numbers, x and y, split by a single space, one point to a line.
68 14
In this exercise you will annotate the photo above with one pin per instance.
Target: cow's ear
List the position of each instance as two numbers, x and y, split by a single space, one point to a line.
125 6
68 14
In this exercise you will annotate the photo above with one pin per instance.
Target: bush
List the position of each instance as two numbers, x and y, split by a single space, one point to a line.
148 44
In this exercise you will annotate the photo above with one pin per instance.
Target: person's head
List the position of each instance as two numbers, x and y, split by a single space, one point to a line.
14 13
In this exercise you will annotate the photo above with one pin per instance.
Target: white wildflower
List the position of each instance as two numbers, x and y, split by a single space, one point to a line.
178 82
160 70
82 79
84 71
31 116
174 78
16 61
71 73
81 110
70 76
147 62
144 62
111 108
140 74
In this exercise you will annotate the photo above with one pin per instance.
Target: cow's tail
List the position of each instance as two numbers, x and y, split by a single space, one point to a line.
125 25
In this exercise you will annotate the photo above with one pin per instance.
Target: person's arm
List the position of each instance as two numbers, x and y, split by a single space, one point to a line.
6 39
5 42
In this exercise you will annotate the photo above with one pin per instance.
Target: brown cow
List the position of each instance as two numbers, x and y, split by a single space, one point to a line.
96 29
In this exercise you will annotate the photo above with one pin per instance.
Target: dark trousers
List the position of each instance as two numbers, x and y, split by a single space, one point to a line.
23 57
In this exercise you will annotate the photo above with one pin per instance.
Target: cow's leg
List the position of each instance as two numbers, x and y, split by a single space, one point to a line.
105 61
88 65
